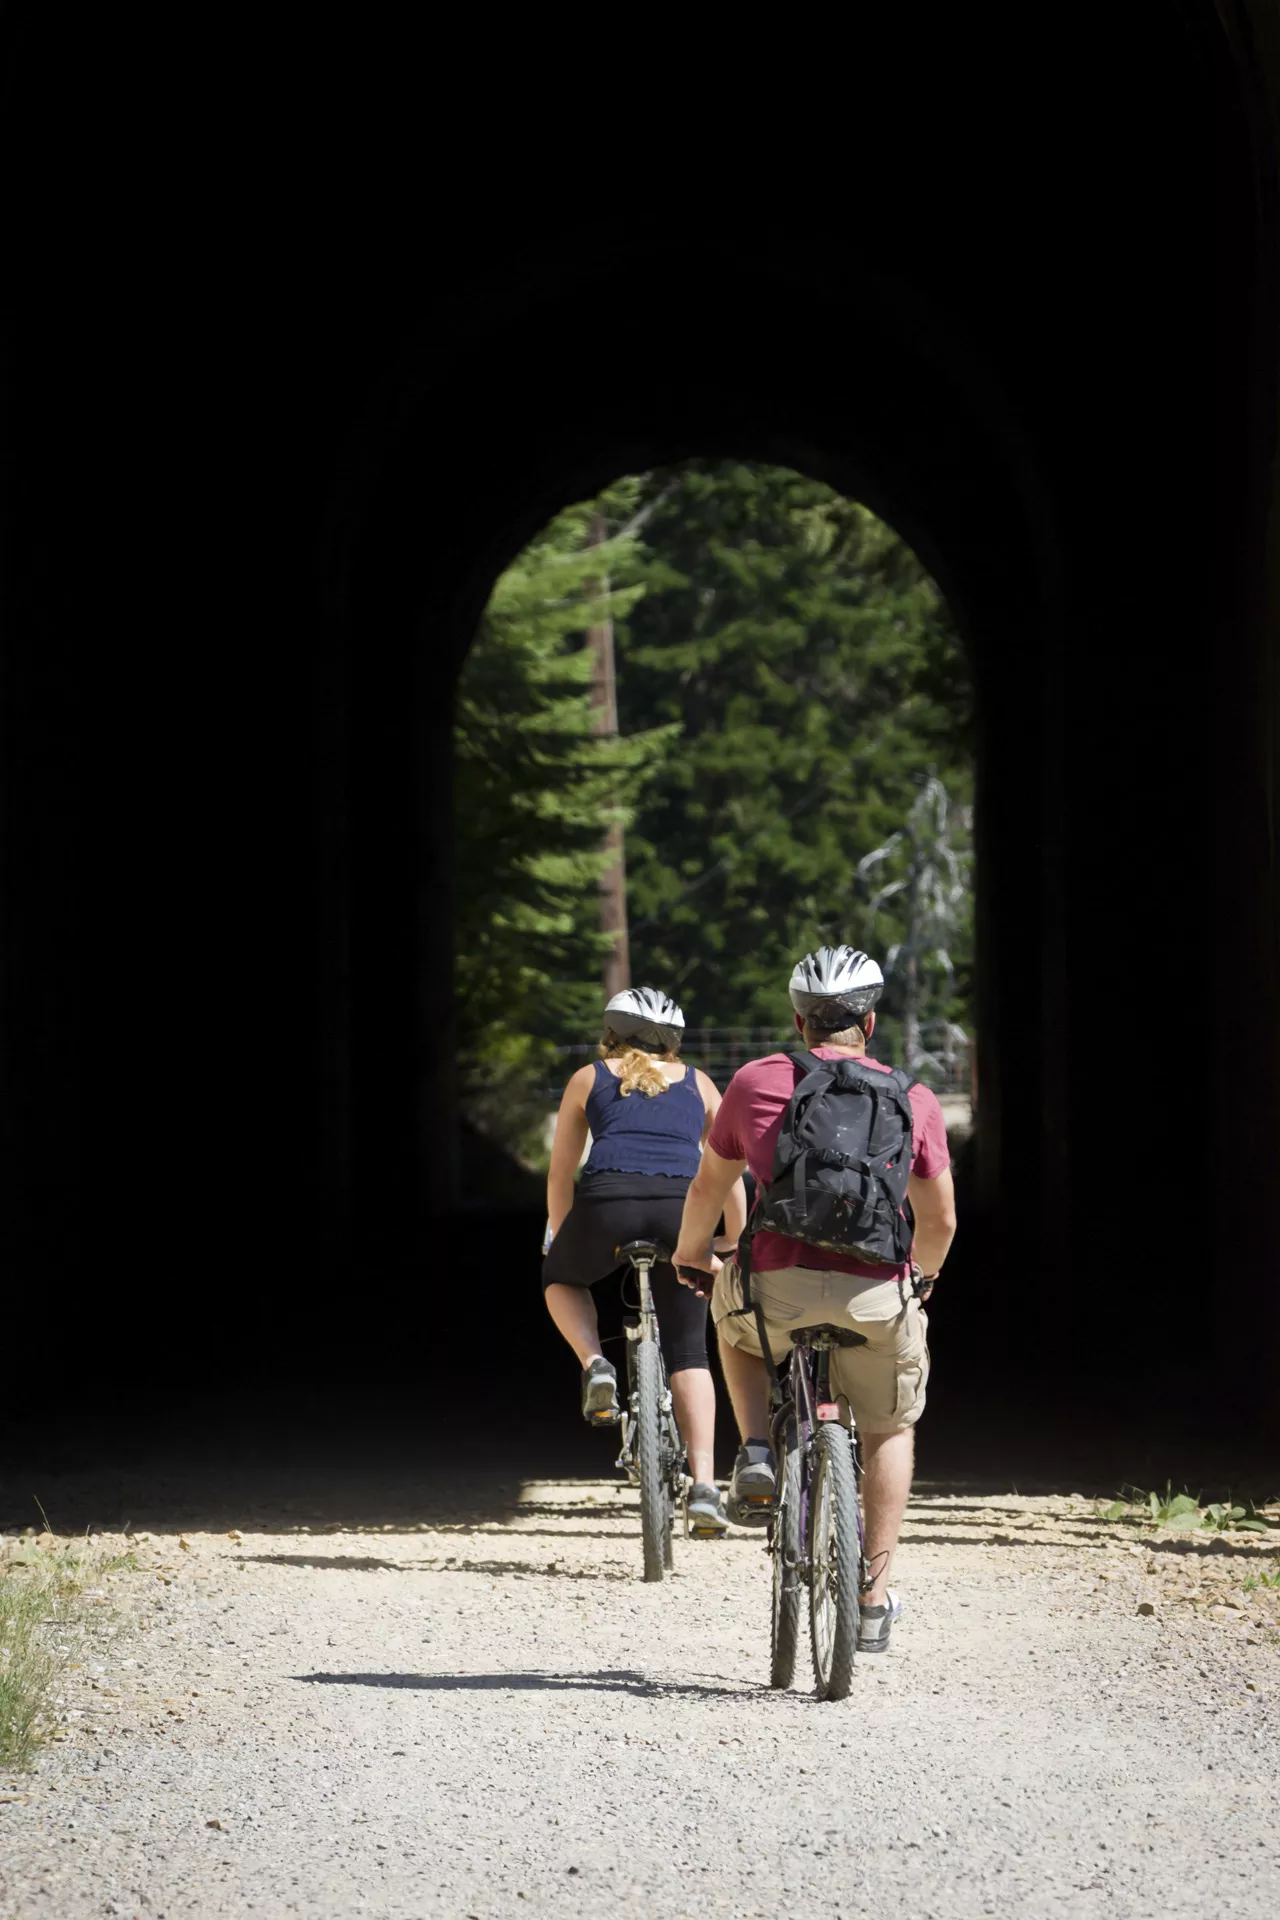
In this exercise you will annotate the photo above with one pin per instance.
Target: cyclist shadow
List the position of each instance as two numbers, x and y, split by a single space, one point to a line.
622 1680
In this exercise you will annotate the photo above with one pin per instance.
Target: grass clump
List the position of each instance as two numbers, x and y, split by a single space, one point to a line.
43 1586
1183 1513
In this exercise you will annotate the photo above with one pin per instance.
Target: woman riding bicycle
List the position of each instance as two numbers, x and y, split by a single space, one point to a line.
648 1117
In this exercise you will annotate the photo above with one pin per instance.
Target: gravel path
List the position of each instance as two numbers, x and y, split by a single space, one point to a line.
485 1712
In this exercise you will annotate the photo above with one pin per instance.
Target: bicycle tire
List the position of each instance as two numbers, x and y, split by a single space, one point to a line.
654 1492
785 1547
835 1555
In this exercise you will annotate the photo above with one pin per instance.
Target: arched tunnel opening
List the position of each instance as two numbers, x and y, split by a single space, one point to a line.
714 719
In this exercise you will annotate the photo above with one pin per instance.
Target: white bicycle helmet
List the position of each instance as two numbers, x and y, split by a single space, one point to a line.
834 985
644 1014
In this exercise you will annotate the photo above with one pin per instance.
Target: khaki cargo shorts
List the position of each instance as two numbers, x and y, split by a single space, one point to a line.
883 1382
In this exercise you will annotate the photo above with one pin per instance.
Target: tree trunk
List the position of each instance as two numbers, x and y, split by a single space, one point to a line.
910 1013
613 881
911 975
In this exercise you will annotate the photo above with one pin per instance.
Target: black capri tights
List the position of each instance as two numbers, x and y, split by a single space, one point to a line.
583 1253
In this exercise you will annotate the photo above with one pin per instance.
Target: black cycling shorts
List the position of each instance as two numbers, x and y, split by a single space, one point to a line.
608 1210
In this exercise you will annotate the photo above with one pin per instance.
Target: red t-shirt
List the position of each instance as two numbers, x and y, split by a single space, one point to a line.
747 1128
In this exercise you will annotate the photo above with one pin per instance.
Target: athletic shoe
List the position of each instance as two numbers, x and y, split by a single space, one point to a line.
875 1622
705 1514
600 1395
752 1487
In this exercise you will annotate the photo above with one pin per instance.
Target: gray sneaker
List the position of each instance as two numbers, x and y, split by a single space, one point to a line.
875 1622
704 1513
600 1394
752 1487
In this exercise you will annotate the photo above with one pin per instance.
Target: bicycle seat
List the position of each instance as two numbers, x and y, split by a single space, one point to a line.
643 1250
839 1336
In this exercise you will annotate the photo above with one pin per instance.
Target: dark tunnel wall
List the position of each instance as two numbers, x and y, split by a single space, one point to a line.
261 467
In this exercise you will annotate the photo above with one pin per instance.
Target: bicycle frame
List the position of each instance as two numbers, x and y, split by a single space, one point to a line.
803 1394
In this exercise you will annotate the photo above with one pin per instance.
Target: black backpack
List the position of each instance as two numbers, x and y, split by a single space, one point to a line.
842 1161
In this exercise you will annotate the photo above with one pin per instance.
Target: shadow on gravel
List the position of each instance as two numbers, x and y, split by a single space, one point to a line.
1215 1549
326 1562
356 1563
615 1680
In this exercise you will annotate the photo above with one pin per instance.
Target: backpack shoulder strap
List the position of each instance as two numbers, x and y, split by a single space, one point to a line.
804 1061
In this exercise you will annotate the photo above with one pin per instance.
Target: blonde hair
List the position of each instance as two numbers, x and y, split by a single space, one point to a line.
639 1073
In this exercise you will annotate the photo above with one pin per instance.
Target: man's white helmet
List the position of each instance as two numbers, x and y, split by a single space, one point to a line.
644 1014
833 986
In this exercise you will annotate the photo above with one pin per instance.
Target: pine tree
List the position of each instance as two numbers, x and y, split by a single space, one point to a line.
534 789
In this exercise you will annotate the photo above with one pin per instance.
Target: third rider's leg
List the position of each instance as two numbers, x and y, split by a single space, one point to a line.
887 1460
574 1312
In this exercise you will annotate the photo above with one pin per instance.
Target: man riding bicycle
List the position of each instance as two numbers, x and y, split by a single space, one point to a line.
883 1377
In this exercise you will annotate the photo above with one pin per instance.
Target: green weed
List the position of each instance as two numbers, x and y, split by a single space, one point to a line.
41 1591
1182 1513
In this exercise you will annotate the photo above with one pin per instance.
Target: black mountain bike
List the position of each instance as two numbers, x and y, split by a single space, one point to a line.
816 1538
653 1454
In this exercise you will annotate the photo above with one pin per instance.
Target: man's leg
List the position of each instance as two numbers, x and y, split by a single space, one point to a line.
574 1312
747 1378
887 1460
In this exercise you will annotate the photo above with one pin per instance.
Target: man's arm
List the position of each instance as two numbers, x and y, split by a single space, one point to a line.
934 1204
710 1194
735 1213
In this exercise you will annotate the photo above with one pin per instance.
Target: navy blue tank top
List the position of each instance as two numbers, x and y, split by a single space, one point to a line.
643 1133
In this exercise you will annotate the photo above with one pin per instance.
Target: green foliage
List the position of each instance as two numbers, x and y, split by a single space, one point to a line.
811 668
535 788
1183 1513
1264 1581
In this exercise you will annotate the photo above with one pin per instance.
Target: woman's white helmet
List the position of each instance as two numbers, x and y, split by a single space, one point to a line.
644 1014
833 986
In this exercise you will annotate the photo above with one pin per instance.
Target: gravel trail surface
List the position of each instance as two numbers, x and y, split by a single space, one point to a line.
479 1709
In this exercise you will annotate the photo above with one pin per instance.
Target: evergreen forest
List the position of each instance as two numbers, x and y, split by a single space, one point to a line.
792 766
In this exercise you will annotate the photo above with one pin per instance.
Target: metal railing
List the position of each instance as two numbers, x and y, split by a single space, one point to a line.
943 1064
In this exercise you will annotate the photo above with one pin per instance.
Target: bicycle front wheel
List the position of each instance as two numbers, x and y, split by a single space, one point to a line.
835 1556
784 1547
654 1491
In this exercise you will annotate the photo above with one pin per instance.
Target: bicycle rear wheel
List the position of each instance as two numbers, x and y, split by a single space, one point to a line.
655 1493
784 1547
835 1556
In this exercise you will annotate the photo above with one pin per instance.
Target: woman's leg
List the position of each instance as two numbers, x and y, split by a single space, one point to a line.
693 1395
682 1324
574 1312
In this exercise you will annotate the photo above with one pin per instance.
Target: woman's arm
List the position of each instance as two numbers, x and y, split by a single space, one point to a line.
566 1148
710 1099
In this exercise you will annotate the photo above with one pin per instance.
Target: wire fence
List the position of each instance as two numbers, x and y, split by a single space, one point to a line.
943 1062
